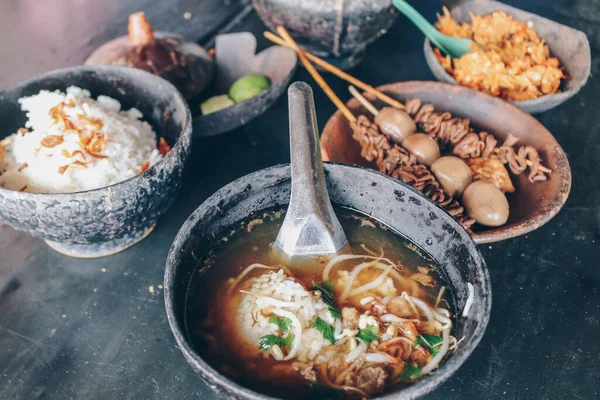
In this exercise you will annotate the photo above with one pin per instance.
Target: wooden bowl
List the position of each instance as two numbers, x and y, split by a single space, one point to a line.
531 205
569 45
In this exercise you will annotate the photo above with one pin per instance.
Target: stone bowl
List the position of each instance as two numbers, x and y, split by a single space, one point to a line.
338 31
235 57
569 45
531 205
102 221
387 200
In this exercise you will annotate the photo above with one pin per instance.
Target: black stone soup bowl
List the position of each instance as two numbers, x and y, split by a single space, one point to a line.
393 203
102 221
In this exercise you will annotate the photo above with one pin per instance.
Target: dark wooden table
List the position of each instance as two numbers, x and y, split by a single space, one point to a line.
77 329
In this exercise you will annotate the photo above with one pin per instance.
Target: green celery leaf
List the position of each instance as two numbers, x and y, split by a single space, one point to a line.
325 329
368 334
268 341
288 341
330 286
283 323
430 342
326 288
410 373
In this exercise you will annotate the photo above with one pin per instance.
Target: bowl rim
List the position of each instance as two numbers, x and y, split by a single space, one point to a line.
557 98
186 129
496 234
213 377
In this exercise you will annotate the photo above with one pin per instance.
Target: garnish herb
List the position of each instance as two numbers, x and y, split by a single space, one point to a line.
325 329
326 288
410 373
283 323
268 341
431 342
368 334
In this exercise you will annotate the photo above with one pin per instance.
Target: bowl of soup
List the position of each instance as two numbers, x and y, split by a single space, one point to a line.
398 314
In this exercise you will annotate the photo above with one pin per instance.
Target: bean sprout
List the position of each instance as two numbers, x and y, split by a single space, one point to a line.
245 272
435 361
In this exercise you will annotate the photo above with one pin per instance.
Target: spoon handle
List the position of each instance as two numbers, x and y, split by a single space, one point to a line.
308 176
310 226
416 18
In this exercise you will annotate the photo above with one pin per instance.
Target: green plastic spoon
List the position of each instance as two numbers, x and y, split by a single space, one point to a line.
452 46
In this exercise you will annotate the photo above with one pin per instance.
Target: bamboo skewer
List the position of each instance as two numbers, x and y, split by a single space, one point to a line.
338 72
362 100
316 76
371 108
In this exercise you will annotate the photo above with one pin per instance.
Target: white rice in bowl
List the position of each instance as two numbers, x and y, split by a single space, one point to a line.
73 143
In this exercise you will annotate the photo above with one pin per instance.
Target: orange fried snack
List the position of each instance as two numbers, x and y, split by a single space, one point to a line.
491 169
511 61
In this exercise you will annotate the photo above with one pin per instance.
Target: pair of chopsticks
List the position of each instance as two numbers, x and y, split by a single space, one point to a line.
306 58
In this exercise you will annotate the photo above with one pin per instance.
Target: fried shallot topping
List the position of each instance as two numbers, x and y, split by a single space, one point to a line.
93 124
163 146
145 166
52 141
57 113
97 145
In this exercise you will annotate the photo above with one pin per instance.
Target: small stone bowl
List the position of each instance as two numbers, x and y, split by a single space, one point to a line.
102 221
337 31
569 45
235 57
531 205
387 200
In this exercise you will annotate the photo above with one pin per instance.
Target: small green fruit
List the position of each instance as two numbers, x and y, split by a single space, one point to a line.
216 103
248 86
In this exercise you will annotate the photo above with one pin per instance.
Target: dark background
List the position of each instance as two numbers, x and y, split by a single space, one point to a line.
92 329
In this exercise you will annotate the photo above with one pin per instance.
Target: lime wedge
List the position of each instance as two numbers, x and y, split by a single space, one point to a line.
216 103
248 86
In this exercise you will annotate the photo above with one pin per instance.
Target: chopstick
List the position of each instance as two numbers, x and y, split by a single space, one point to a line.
336 71
289 42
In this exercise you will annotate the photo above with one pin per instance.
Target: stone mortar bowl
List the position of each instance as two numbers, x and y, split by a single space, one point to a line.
235 57
387 200
569 45
102 221
338 31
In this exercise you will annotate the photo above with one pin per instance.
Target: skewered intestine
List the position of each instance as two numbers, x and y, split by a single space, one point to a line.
395 161
466 143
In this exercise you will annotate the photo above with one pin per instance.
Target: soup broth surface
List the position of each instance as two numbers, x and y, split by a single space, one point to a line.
216 318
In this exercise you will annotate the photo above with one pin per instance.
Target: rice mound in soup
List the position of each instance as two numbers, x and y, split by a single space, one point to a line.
72 143
281 295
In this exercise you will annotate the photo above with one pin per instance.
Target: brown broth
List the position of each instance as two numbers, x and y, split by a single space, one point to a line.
210 311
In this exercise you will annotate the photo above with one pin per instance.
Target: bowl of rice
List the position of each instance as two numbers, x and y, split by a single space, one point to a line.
91 157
